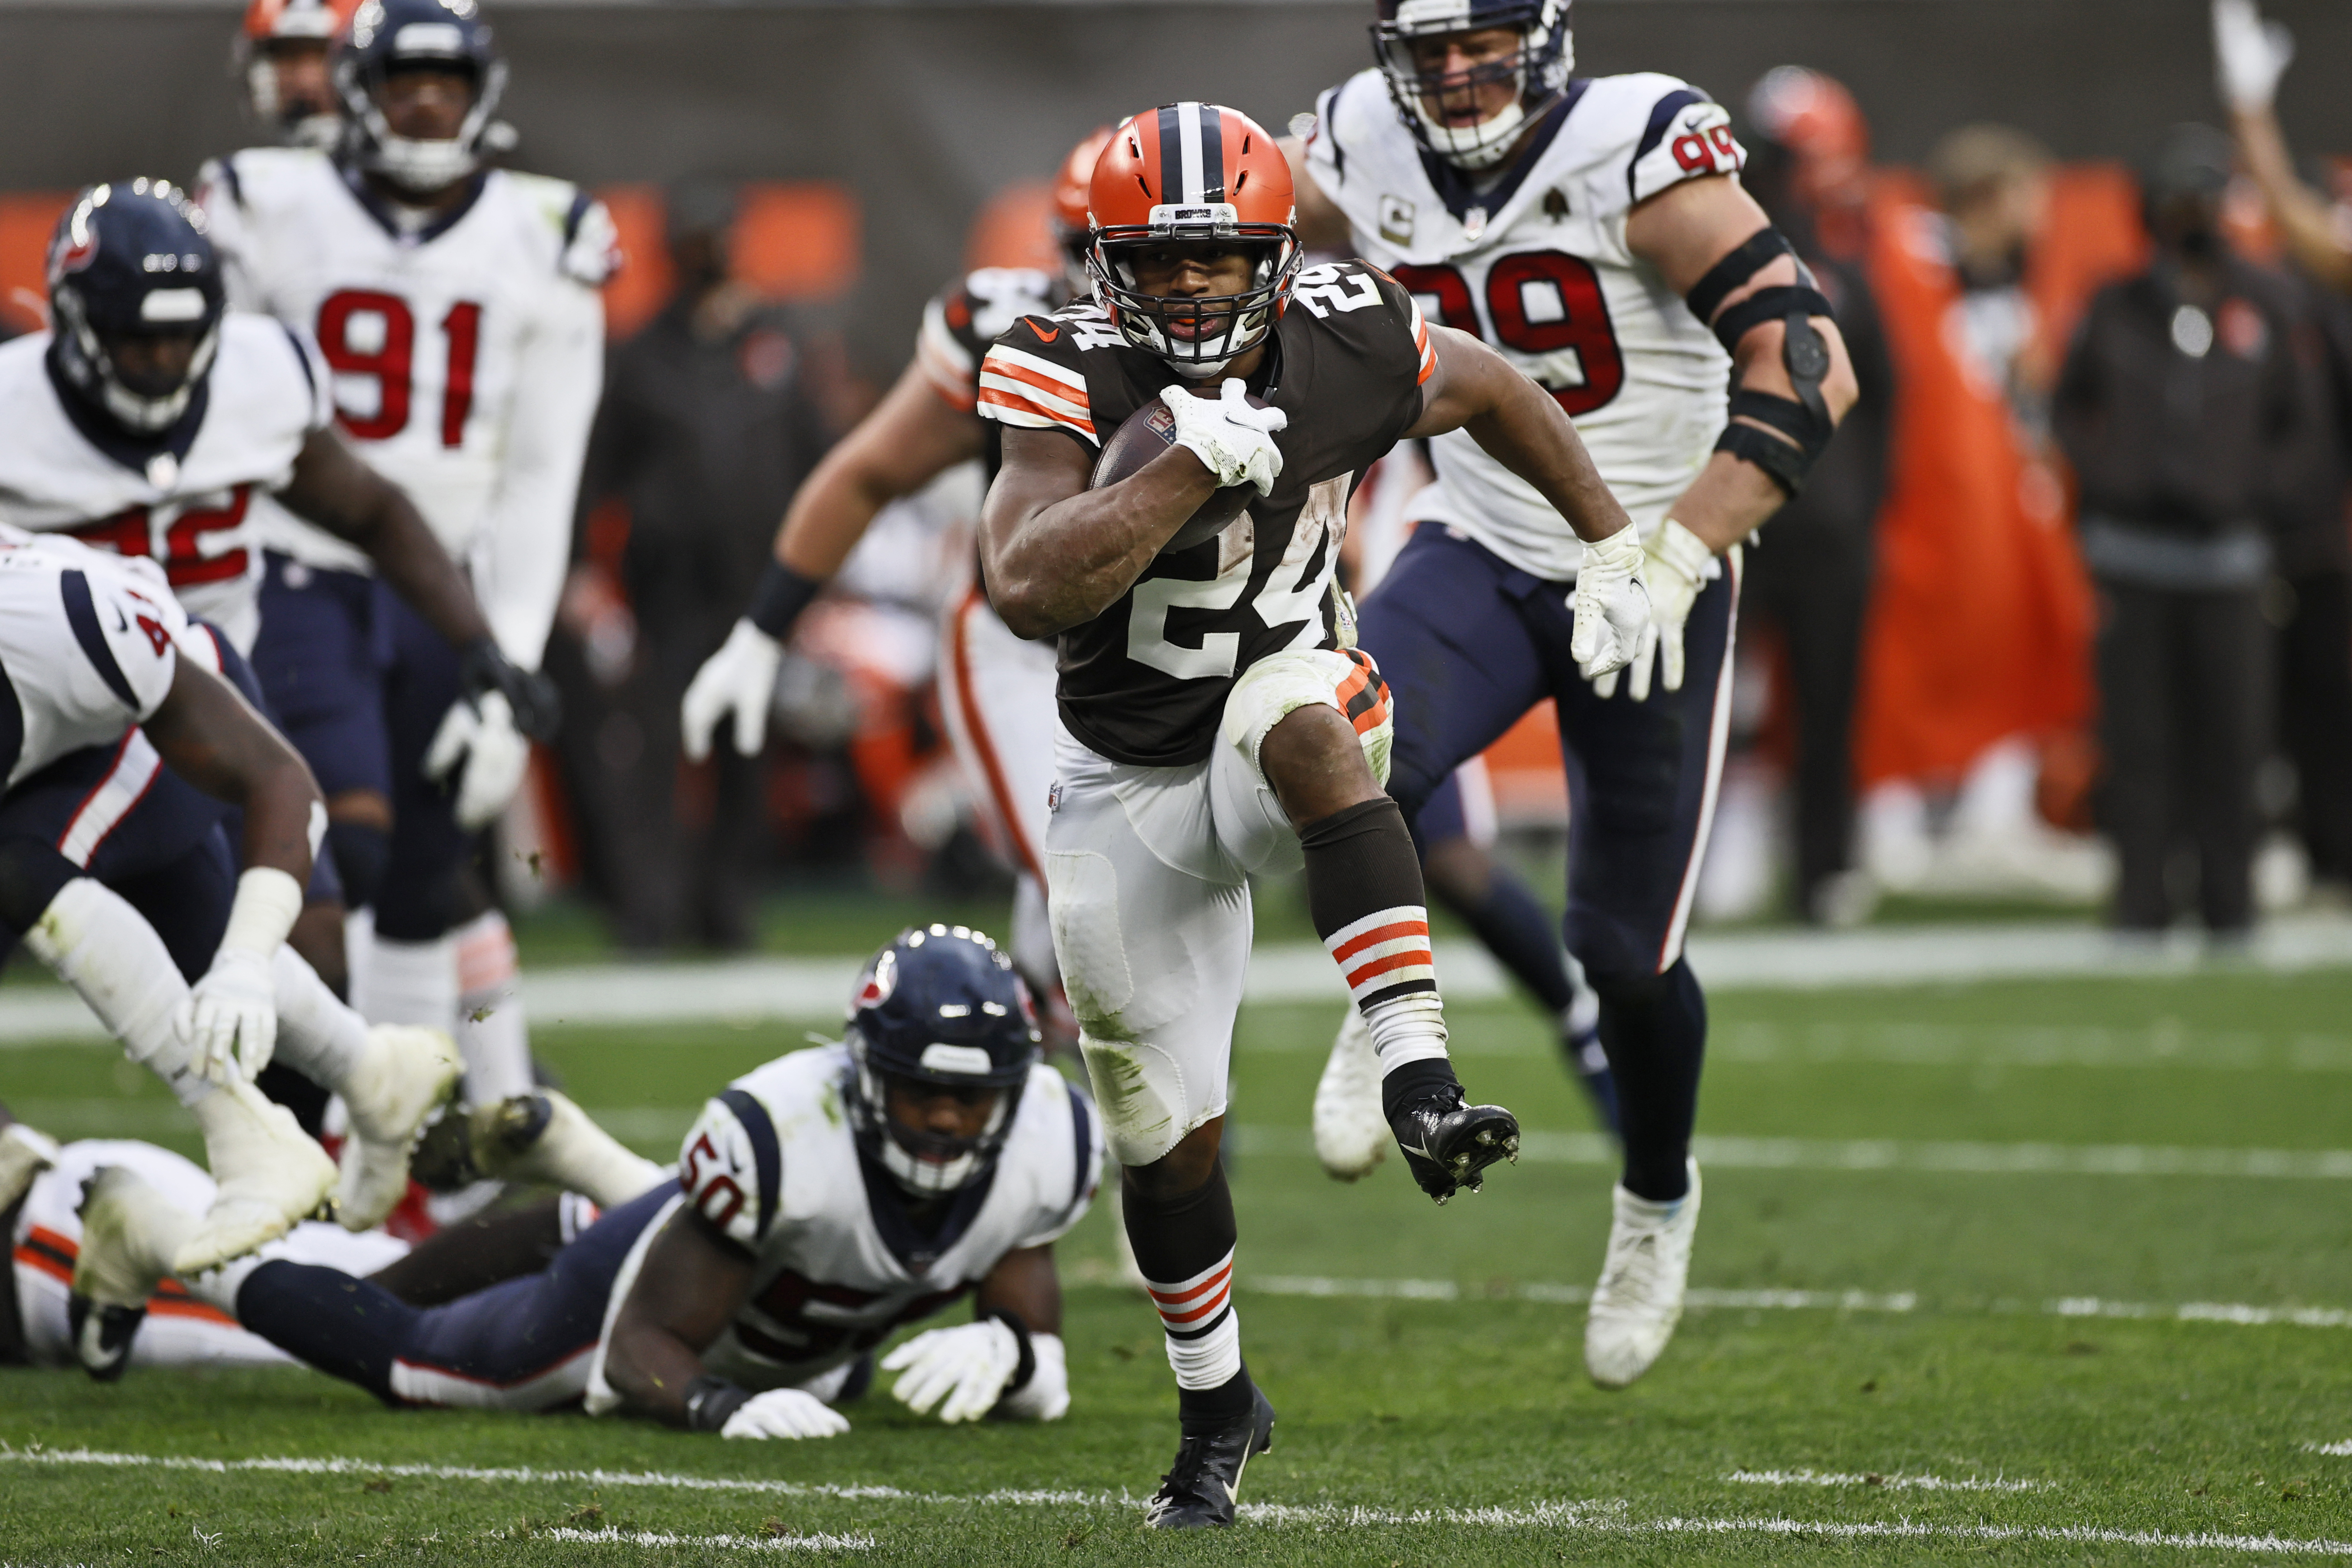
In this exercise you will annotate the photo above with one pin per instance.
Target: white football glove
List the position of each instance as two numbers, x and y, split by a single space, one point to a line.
1679 564
230 1016
963 1370
480 737
1047 1396
2250 55
785 1413
1233 440
741 678
1612 602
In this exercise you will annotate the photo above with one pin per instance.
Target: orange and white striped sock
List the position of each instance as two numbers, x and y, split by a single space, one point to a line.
1205 1333
1364 892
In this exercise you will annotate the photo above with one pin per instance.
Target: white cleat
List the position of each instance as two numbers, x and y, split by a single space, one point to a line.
1351 1135
543 1137
1640 1298
25 1154
269 1177
403 1076
130 1234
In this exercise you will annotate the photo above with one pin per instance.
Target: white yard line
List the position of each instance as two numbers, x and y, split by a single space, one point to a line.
721 1542
1612 1518
1699 1298
2342 1450
1892 1482
752 990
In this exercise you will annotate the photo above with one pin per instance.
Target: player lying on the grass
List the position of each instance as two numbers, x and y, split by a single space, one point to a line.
821 1201
115 876
1216 719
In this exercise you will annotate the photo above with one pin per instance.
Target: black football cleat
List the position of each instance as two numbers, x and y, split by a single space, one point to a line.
1198 1492
1447 1143
102 1335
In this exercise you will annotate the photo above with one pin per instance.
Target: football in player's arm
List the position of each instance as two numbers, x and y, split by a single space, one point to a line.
1791 378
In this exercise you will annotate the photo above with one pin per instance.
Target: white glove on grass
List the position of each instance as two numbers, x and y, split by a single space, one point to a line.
741 679
1234 441
963 1370
785 1413
2250 55
1679 564
480 739
1612 602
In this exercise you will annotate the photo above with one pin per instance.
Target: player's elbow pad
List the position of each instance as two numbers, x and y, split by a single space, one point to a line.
1047 1396
1804 419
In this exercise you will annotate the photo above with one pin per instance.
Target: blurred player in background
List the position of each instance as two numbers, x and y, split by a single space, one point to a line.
996 690
457 308
1217 720
2250 55
282 56
1557 218
821 1201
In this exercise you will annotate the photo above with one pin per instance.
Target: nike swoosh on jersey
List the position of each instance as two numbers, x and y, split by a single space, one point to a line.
1043 336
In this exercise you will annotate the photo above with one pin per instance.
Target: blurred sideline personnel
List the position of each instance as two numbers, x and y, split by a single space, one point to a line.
457 307
996 690
1217 720
121 883
1809 578
821 1201
1555 218
147 425
2314 671
2182 407
282 56
706 430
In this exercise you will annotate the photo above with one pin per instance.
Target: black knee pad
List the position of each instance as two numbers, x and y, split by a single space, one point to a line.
32 874
360 853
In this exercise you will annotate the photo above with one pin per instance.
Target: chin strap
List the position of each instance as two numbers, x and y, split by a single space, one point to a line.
1804 419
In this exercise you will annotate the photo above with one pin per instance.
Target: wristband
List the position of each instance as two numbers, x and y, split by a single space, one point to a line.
780 597
537 706
268 899
1026 1368
710 1401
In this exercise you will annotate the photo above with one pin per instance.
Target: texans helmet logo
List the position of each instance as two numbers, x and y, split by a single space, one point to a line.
77 247
880 981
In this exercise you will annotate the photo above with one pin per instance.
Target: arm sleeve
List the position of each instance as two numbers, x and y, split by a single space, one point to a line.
1062 1210
731 1168
519 564
1686 137
1038 383
219 194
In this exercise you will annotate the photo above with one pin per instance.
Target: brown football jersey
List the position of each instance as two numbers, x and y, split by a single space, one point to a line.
1145 682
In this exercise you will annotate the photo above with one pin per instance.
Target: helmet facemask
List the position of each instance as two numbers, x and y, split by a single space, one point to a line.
1536 74
1197 335
925 1163
300 121
420 166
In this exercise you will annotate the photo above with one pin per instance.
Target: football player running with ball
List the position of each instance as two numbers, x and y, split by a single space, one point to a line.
1217 720
1594 231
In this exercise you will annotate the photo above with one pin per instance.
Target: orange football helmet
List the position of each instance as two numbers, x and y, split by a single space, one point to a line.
1072 229
281 52
1200 173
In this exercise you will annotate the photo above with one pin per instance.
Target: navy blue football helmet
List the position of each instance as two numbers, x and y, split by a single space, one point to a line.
940 1007
1537 69
388 36
133 261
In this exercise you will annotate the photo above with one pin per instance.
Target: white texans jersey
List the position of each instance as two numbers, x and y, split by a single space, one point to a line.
774 1164
188 501
464 356
87 648
1534 262
180 1330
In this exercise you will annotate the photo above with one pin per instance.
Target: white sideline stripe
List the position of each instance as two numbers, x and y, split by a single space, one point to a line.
1602 1517
2236 1314
723 1543
2342 1450
1895 1153
1892 1482
749 990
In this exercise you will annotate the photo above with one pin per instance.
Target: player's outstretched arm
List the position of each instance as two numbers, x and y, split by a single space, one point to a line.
335 488
1056 554
909 439
1691 232
1520 425
2250 55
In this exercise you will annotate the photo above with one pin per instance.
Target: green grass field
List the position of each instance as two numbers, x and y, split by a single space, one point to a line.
2011 1378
